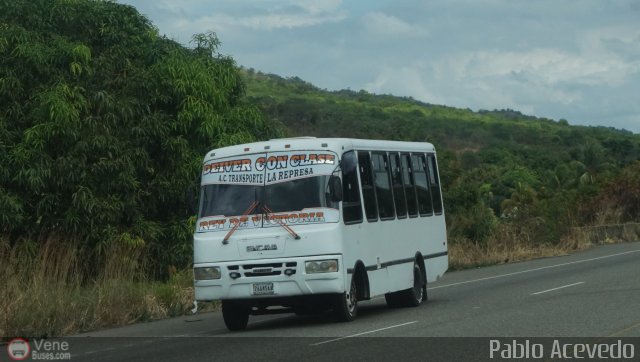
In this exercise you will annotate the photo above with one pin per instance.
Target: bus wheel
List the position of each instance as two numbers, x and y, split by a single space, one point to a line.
393 300
412 297
345 307
235 315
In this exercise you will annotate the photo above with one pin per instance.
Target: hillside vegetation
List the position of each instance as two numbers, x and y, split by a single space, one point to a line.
509 180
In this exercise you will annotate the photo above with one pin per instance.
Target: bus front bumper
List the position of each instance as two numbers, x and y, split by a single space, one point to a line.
269 278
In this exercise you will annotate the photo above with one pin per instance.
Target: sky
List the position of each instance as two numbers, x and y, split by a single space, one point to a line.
577 60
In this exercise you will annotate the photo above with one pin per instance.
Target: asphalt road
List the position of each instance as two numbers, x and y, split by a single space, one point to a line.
593 295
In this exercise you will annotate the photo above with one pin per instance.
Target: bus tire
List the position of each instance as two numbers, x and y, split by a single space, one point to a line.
345 308
412 297
425 294
235 315
393 300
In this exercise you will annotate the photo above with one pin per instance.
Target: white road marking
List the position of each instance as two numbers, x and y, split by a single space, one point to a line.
532 270
618 333
551 290
363 333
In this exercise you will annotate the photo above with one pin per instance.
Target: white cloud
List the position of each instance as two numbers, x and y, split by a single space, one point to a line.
532 81
541 66
319 6
419 82
402 81
256 15
269 21
378 23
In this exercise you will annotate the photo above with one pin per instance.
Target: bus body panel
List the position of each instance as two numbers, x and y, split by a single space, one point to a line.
424 235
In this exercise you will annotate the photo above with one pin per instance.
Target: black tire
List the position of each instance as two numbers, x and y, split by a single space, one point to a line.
425 295
393 300
345 307
235 315
412 297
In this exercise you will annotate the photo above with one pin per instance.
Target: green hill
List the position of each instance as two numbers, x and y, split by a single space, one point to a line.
500 169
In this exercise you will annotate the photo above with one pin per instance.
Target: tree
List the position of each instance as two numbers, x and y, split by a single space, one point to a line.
104 123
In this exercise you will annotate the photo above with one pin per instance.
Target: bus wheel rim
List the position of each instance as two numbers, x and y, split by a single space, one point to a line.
351 298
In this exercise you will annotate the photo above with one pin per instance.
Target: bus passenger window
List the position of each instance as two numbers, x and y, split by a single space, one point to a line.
398 187
366 180
383 185
422 185
409 185
434 181
351 207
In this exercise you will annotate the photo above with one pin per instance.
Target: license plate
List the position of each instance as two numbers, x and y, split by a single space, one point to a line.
263 288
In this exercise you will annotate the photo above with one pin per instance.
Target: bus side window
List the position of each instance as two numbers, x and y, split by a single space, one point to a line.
422 185
351 207
409 185
434 181
366 181
398 187
382 180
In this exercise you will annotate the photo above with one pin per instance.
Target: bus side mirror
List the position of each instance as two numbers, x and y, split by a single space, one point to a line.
335 188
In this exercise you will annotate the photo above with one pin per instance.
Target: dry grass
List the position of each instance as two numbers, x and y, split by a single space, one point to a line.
45 291
509 244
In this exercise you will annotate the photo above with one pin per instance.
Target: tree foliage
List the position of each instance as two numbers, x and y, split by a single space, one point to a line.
104 123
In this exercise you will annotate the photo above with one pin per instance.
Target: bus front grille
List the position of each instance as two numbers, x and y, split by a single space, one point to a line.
266 269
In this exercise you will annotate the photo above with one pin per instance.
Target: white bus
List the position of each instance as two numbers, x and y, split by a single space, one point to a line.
309 225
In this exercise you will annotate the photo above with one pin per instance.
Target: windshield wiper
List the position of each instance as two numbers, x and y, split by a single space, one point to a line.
268 211
252 207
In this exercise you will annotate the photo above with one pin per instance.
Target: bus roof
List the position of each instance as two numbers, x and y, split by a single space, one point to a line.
337 145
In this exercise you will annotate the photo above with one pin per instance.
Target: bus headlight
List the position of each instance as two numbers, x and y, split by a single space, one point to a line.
321 266
206 273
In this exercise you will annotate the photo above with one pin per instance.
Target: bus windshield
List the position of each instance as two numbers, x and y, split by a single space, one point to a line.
294 195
